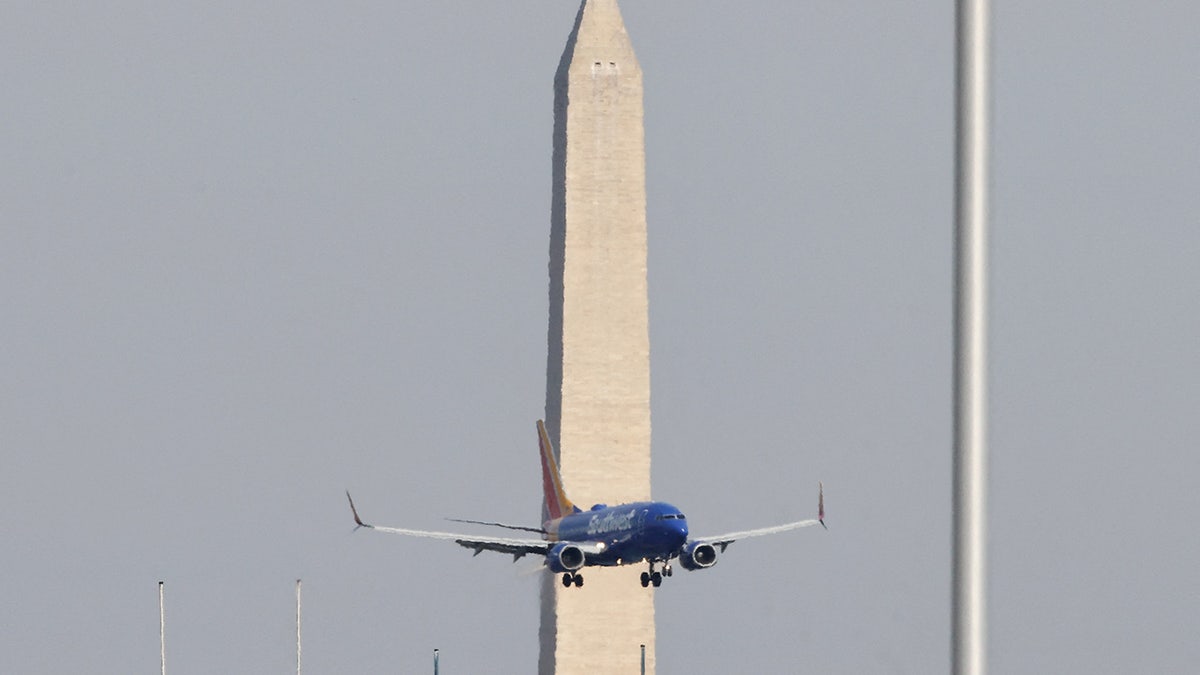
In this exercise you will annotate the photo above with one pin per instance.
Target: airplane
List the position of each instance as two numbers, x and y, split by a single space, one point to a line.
653 533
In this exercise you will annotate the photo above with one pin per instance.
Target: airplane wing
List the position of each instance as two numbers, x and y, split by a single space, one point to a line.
514 547
724 540
506 526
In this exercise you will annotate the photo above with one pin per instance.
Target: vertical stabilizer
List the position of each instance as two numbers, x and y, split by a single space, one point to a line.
557 504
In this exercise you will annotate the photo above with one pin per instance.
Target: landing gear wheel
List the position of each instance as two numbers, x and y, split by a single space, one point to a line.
578 580
656 579
667 571
645 579
567 576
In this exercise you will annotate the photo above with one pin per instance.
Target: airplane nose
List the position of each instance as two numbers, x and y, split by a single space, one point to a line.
671 533
681 530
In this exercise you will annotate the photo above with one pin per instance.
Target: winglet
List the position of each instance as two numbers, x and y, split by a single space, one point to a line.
820 504
358 521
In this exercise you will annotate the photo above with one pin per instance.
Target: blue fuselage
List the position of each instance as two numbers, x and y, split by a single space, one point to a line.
630 532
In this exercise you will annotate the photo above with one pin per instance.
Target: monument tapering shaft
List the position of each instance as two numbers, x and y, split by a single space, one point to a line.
598 373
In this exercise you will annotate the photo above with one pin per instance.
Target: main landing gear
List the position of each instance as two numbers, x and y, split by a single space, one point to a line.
655 578
569 578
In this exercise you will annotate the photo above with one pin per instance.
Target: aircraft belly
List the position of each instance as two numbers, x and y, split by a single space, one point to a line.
625 552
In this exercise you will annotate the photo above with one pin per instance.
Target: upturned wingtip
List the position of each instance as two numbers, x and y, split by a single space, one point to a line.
357 521
821 504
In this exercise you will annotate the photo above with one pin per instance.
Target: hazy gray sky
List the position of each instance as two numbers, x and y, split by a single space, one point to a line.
251 256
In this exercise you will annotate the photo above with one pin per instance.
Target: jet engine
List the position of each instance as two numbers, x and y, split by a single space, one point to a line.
564 557
697 555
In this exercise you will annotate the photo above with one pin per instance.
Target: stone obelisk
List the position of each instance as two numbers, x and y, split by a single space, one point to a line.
598 374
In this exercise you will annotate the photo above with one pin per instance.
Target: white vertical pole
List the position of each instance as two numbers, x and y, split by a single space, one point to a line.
969 648
435 662
297 627
162 630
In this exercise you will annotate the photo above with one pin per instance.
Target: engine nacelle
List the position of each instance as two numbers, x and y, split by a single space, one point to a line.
697 555
564 557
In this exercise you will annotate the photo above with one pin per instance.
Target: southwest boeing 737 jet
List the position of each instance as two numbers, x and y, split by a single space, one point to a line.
653 533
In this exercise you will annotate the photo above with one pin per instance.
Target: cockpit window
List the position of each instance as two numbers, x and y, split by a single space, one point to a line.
671 516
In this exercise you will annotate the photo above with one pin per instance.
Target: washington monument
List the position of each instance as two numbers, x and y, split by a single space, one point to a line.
598 369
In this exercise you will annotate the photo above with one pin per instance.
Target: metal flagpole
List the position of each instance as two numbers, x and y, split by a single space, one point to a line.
969 630
297 627
162 630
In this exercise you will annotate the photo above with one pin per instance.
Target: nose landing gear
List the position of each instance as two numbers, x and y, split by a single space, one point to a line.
655 578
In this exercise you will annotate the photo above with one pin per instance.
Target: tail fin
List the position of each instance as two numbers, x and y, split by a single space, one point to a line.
557 504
